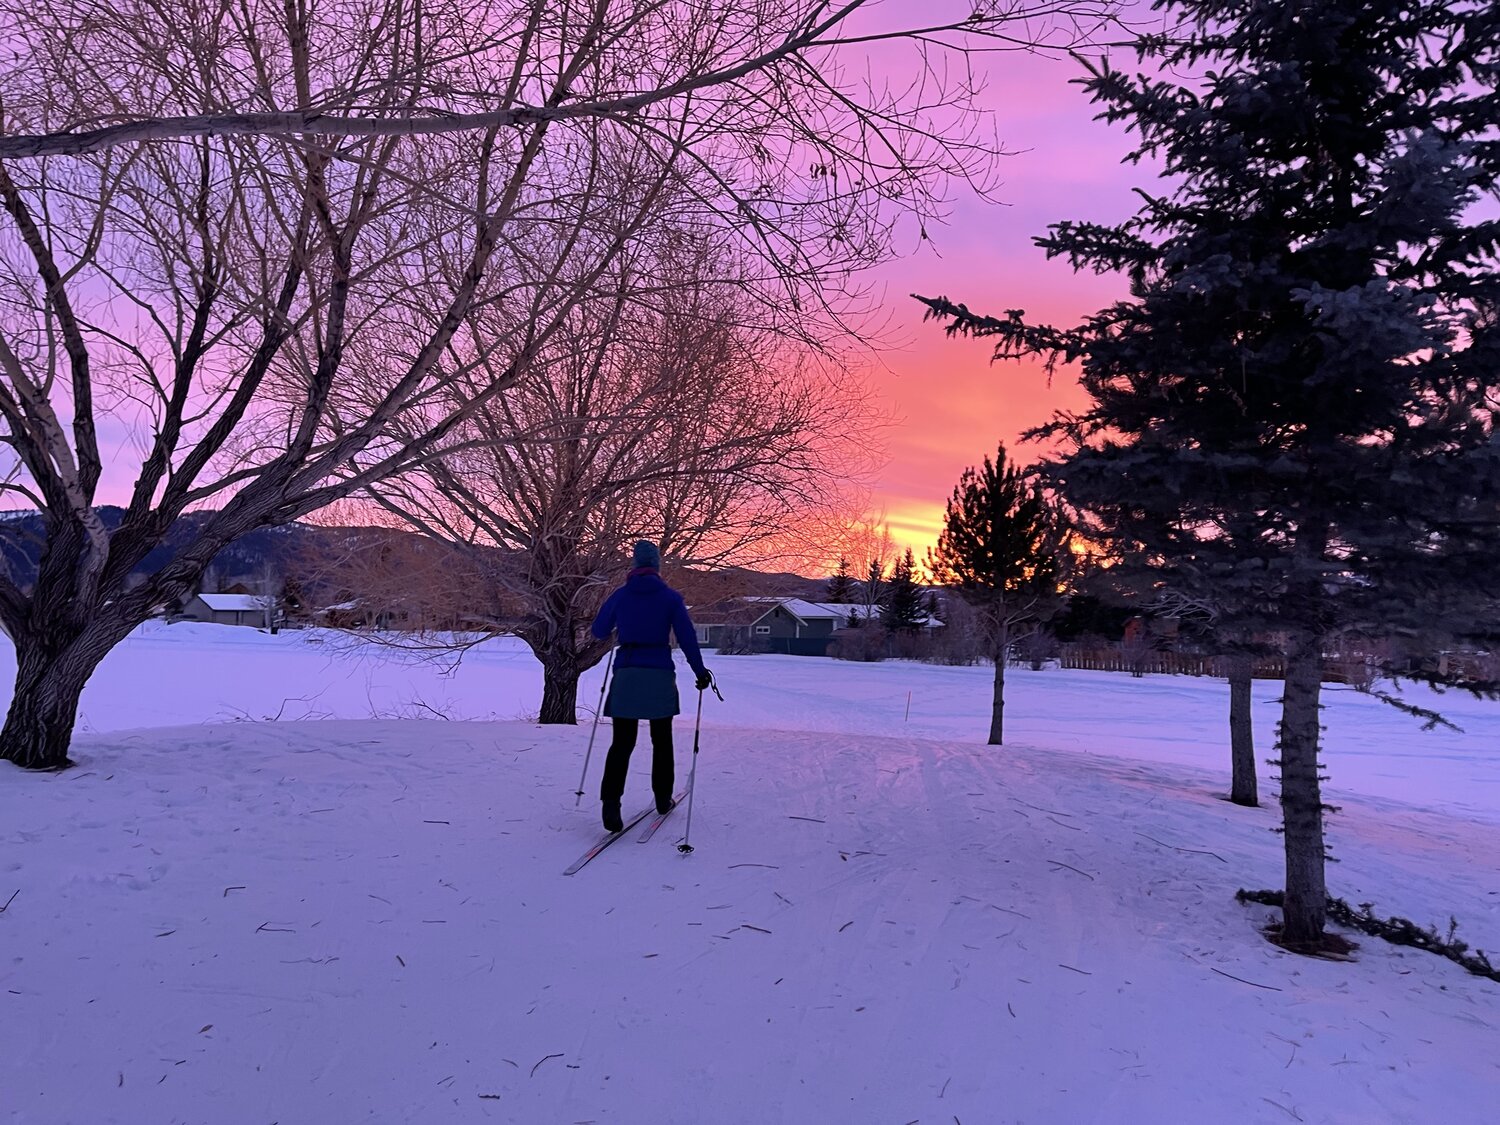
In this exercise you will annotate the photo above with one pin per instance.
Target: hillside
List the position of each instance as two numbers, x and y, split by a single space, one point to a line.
309 553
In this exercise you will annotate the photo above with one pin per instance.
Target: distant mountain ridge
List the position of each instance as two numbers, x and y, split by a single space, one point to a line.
21 548
281 549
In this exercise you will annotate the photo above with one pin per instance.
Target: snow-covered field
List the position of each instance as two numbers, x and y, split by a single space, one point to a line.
356 913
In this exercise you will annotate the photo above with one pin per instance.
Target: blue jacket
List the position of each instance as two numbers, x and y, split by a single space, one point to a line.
642 611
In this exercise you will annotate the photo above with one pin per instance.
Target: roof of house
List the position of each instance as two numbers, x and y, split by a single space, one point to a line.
229 603
804 610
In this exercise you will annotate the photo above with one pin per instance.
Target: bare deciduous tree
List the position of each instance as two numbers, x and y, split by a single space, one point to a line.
862 539
665 408
370 573
248 239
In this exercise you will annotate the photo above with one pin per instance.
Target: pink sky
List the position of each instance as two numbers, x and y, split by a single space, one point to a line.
952 404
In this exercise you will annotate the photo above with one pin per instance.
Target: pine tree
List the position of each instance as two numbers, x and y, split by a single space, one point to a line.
1003 549
872 590
294 600
903 611
1293 416
841 584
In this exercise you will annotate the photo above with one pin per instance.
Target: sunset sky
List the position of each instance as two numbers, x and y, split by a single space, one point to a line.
952 404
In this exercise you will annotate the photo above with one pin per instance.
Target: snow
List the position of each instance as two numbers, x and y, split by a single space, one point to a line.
356 913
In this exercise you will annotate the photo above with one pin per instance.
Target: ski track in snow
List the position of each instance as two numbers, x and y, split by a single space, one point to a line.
365 921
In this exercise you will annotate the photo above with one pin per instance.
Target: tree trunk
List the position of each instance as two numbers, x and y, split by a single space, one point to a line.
50 677
559 690
997 707
1301 797
1242 785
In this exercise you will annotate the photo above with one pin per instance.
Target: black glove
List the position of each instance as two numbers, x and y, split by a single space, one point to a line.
705 678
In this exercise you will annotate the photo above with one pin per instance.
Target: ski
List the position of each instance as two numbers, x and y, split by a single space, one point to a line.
610 837
656 821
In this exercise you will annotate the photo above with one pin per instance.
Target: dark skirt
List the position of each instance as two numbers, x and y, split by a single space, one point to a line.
642 693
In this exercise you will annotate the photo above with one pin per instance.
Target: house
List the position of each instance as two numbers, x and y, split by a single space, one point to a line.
770 624
227 609
360 614
721 622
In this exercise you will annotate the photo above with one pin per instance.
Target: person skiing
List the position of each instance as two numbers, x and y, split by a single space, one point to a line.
644 684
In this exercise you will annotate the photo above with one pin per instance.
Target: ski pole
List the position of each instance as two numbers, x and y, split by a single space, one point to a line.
608 665
685 847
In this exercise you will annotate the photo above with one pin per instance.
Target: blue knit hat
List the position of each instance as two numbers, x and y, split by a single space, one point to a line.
645 554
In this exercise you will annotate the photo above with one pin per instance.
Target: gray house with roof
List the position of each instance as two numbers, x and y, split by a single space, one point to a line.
227 609
769 624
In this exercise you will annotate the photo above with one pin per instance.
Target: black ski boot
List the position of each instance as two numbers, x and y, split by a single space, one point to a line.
612 820
663 804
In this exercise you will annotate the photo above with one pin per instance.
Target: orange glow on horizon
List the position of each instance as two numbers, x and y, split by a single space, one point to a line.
952 404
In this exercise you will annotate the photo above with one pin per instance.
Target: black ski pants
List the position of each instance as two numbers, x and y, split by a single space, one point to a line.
618 762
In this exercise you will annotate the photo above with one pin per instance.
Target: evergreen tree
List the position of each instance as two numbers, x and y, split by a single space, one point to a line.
294 601
903 611
1003 549
841 584
1293 416
872 590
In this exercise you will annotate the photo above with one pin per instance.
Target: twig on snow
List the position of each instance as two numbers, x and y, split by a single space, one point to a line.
228 889
543 1059
1242 980
1029 805
1283 1108
772 866
1175 848
1070 867
1085 972
10 900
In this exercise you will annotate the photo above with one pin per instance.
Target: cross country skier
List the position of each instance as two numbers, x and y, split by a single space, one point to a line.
644 685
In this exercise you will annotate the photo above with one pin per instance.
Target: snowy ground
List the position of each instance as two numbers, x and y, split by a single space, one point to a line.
356 913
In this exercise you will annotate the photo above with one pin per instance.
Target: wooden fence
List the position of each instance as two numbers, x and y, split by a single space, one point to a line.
1161 662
